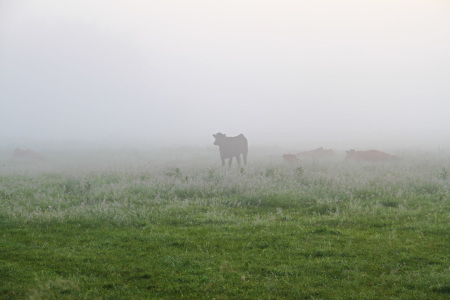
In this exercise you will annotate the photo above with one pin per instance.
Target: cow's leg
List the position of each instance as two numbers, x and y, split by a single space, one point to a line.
238 159
245 157
229 162
223 162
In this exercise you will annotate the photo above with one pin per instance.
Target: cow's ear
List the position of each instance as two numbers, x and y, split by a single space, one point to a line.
214 135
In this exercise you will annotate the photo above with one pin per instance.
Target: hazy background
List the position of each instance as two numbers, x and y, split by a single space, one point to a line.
359 74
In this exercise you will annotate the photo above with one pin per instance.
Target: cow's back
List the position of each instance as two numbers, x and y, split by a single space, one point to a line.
370 155
27 155
232 146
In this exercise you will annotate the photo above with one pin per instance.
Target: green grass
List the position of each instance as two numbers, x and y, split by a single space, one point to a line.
326 230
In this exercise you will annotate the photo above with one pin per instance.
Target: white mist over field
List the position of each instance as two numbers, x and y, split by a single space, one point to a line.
293 73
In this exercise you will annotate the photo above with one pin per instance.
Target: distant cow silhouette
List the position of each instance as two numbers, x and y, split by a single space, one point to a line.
290 158
316 153
27 154
371 155
230 147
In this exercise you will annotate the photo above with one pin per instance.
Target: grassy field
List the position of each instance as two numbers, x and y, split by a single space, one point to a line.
174 224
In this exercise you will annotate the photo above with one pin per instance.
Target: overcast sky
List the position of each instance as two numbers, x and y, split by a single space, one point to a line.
324 72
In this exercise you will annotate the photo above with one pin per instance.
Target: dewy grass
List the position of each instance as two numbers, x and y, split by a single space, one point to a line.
171 229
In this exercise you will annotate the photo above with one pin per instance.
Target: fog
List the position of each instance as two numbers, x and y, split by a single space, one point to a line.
356 74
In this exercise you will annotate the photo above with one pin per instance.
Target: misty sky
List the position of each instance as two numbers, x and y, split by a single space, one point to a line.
178 71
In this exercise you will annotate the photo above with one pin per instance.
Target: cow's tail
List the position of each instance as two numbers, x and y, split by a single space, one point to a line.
244 153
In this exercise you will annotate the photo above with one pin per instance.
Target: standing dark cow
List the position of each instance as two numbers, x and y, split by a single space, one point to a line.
230 147
371 155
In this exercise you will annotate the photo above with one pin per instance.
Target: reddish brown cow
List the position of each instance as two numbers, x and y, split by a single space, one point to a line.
371 155
28 155
317 153
290 158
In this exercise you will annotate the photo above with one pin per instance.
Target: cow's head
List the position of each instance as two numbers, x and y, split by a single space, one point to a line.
290 158
219 138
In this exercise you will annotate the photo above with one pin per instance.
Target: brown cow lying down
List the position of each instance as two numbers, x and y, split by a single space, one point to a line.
290 158
316 153
28 154
371 155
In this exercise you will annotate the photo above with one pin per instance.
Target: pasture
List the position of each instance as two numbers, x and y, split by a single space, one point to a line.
172 223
